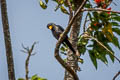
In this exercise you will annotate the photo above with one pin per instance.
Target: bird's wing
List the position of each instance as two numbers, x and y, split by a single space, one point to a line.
69 45
60 27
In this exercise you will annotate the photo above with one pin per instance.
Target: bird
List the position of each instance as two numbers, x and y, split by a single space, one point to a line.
57 30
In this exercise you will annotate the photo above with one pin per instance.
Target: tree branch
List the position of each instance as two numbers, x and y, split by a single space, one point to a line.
62 38
99 9
7 39
29 52
116 75
84 25
70 9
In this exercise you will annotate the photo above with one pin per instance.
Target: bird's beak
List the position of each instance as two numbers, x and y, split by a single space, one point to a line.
50 27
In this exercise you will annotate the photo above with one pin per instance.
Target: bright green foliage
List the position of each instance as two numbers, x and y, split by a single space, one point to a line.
82 42
64 10
42 4
35 77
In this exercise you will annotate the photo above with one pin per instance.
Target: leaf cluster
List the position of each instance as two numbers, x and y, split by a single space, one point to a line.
34 77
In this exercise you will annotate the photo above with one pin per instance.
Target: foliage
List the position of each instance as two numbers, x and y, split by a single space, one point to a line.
104 26
34 77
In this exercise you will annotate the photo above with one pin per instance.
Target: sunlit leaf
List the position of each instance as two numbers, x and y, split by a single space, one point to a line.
42 4
61 1
64 10
107 30
35 77
63 49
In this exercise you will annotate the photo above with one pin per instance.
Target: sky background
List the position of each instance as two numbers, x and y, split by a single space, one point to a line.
28 24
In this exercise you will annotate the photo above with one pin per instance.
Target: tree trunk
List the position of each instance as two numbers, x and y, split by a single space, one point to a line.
7 40
72 59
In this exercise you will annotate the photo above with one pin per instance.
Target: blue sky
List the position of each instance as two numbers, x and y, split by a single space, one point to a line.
28 24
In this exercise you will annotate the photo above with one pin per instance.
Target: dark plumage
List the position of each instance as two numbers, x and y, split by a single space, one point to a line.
57 31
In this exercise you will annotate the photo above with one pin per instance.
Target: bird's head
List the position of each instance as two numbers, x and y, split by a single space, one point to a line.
50 26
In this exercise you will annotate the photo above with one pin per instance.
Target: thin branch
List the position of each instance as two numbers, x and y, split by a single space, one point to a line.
84 25
116 75
70 9
99 9
29 52
62 38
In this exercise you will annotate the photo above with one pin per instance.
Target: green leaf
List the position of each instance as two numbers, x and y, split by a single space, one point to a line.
46 1
111 57
21 79
114 14
81 44
64 10
90 16
43 5
102 56
35 77
99 52
116 42
116 18
87 5
62 49
96 16
60 1
115 24
93 58
116 30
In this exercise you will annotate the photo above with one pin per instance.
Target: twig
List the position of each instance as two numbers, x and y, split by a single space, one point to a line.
84 25
70 9
29 52
62 38
111 53
99 9
116 75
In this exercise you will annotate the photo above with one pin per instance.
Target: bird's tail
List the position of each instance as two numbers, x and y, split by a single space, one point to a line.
70 45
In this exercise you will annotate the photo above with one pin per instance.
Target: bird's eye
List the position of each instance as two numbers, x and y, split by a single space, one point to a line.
50 27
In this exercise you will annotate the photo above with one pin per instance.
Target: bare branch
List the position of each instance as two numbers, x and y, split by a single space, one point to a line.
70 9
116 75
61 39
99 9
29 51
85 23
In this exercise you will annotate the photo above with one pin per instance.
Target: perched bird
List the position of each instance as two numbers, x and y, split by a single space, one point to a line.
57 31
